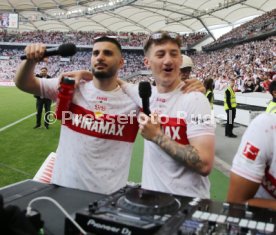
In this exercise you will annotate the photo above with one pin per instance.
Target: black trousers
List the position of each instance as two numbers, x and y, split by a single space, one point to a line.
231 114
40 103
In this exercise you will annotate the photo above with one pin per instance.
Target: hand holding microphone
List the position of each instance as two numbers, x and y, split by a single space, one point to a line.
148 123
39 51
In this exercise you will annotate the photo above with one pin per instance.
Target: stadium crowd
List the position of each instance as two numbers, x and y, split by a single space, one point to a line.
252 64
261 24
55 65
85 38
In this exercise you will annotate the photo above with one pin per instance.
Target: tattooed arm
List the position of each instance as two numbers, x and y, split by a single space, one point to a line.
198 155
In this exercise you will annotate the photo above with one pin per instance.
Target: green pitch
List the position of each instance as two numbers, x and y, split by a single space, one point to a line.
23 149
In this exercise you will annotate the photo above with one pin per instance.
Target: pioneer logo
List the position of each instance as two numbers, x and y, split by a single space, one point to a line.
115 230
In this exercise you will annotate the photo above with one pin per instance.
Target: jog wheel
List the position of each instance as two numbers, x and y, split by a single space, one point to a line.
141 201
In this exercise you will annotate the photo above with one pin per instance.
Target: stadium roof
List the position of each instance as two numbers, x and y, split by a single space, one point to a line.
132 15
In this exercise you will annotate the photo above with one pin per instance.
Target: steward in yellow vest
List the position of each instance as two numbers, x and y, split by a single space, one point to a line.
271 108
229 98
230 105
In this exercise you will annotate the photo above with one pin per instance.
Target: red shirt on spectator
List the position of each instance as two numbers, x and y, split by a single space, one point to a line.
265 84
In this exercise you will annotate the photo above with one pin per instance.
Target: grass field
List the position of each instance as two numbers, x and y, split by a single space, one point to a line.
23 149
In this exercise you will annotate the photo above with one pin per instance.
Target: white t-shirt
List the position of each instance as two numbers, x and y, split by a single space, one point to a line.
94 154
256 156
160 171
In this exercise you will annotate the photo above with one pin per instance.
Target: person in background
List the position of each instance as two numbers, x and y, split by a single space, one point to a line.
258 87
42 102
249 85
271 108
185 72
230 105
209 86
239 84
253 173
266 82
186 67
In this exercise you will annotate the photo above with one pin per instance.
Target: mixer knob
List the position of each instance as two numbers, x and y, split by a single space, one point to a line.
226 206
92 207
113 204
248 214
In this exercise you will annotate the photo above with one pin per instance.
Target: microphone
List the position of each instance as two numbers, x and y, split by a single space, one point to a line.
64 50
145 93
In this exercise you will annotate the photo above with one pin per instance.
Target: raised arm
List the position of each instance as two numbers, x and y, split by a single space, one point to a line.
25 78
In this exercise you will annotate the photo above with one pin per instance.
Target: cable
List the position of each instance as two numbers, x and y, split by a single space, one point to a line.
29 208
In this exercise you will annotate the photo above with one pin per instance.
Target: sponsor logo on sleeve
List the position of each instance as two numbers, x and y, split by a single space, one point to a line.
250 151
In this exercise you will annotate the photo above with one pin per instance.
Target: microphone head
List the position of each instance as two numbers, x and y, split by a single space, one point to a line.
144 89
68 49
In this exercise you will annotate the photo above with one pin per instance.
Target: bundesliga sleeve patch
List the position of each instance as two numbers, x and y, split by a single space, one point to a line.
250 151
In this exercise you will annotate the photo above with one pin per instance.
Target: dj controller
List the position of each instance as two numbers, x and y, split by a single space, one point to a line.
136 211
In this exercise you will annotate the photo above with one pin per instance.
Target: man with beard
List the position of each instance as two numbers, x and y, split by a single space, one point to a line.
95 144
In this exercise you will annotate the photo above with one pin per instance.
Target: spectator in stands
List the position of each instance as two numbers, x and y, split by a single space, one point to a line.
42 102
253 174
230 105
271 108
239 84
248 85
266 82
209 86
258 87
186 67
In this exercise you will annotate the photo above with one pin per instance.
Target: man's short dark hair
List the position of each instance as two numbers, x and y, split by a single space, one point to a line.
109 39
208 84
272 87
